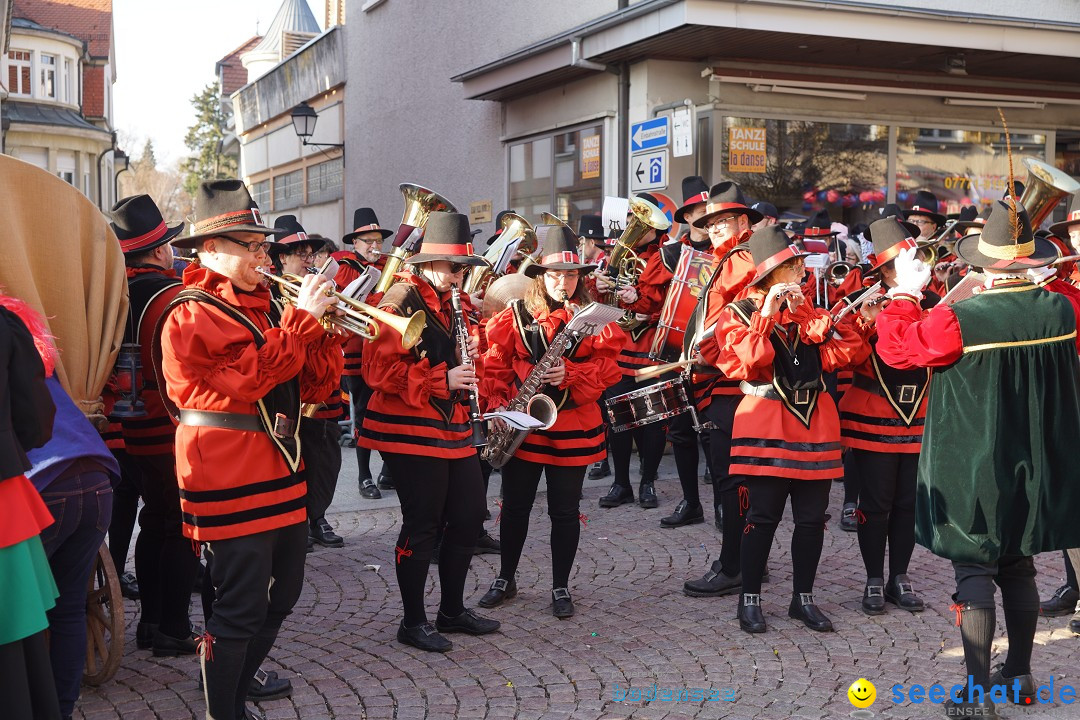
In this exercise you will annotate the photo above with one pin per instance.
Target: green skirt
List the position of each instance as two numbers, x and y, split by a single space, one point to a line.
28 590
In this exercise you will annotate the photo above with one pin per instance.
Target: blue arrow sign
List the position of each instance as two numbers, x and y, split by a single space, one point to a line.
649 134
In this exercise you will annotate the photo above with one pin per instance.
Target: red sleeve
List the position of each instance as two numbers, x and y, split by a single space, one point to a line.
321 375
734 279
202 345
652 287
504 346
592 374
1059 286
393 370
908 340
744 350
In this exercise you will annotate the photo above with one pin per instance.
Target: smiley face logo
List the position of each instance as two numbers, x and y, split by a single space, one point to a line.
862 693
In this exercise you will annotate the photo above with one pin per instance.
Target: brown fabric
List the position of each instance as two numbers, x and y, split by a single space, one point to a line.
61 257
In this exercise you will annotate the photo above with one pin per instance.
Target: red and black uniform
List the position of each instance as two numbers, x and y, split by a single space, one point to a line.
786 435
164 564
516 342
422 430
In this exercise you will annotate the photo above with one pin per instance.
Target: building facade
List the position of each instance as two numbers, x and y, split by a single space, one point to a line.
58 72
842 106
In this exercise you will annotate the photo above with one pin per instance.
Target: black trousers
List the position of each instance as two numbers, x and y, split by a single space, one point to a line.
520 480
164 561
721 413
434 490
26 679
650 440
768 496
1014 574
684 445
359 394
887 503
322 463
257 580
125 509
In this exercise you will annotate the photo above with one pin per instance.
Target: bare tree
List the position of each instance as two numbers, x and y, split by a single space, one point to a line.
164 185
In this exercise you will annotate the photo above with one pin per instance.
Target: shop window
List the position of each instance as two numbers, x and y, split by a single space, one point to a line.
324 181
961 167
48 76
260 193
802 166
18 81
288 190
560 173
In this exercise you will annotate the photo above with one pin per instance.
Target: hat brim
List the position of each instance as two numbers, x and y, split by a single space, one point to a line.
474 260
967 249
190 242
348 238
765 273
1061 229
753 215
964 225
938 218
170 233
680 214
536 269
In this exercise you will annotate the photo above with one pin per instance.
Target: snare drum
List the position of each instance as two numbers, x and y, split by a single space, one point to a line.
691 276
648 405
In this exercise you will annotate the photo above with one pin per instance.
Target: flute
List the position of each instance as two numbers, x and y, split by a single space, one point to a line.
461 330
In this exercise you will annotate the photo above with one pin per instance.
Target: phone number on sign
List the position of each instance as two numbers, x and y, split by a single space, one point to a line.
958 182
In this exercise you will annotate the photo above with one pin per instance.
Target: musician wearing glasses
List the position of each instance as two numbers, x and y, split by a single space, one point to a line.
418 420
518 338
786 435
727 220
235 372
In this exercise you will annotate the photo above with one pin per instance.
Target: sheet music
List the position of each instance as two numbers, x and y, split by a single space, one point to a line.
964 289
594 318
362 286
507 254
515 419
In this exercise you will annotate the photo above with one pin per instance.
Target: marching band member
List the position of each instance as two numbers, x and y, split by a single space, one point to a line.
727 220
518 337
417 422
366 238
881 421
650 439
990 497
1069 231
595 242
786 435
238 374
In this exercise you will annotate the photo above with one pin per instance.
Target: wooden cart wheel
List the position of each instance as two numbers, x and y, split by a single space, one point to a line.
104 621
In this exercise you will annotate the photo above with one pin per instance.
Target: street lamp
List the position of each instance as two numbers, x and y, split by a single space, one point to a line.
120 164
304 118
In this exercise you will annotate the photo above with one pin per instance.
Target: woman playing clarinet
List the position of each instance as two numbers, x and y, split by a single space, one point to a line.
517 338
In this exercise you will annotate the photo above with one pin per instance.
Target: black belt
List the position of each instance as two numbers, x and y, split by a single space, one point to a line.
903 394
226 420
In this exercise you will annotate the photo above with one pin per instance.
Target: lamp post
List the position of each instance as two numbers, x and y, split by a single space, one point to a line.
304 118
121 163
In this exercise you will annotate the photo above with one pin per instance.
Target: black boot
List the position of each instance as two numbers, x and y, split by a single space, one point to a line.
714 584
600 470
873 599
647 495
616 496
749 613
685 514
803 609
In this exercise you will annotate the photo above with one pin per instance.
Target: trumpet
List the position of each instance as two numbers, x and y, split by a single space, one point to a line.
836 272
356 317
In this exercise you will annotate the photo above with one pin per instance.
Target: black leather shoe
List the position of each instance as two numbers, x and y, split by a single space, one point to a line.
616 496
1027 686
1074 624
600 470
749 613
129 587
803 609
310 542
979 710
424 637
467 622
900 593
252 714
501 590
369 490
385 481
685 514
561 604
169 646
873 597
647 495
322 533
706 479
144 635
714 584
848 521
268 686
1061 603
487 545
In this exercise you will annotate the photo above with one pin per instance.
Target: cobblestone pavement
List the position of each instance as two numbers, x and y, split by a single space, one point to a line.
634 628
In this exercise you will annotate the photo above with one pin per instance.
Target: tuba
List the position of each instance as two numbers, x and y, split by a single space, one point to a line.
419 204
624 265
1044 188
357 318
516 230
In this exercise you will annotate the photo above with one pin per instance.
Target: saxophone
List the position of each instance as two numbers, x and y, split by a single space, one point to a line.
504 441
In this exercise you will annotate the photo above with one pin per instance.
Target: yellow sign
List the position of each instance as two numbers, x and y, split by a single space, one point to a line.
590 157
480 212
746 149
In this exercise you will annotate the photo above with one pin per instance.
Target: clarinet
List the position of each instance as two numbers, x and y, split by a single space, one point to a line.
461 330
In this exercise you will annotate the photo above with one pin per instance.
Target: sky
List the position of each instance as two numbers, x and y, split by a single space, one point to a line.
165 54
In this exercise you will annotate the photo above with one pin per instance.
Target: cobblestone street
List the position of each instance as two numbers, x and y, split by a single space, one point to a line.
634 628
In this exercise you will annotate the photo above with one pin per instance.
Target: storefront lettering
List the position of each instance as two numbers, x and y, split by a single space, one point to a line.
747 150
590 157
979 182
